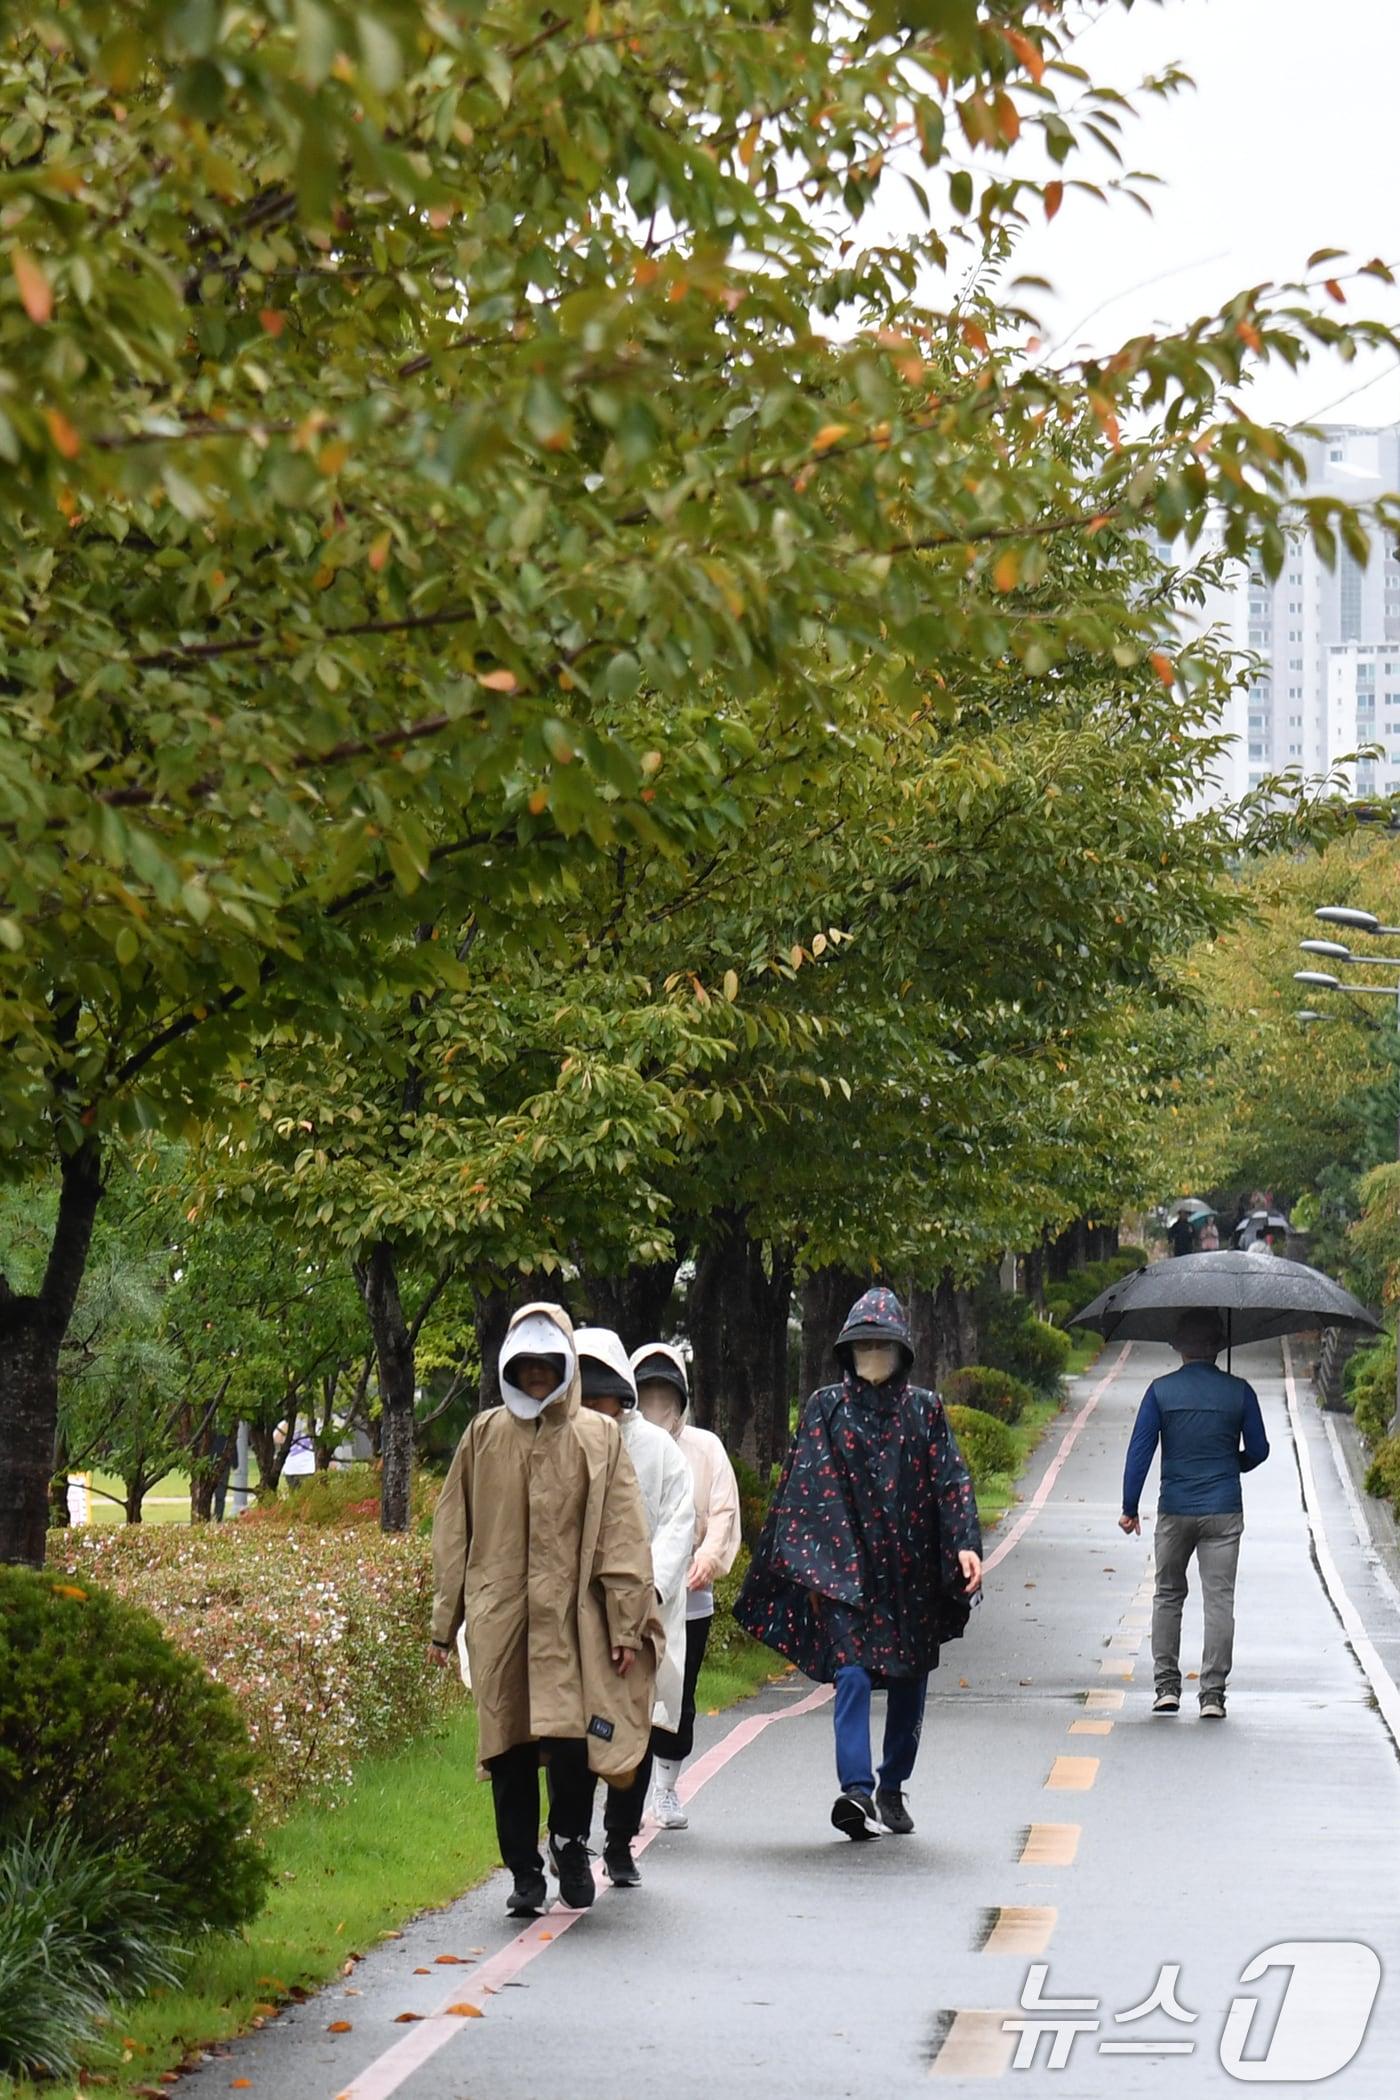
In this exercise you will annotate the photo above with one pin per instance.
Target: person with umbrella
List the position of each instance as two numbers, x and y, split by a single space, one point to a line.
1211 1432
1181 1233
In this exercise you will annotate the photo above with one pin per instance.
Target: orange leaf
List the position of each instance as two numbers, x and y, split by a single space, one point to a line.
65 437
35 291
467 2012
331 458
272 322
1335 289
1029 54
451 1961
341 2027
1006 570
498 681
1008 119
379 552
69 1589
830 434
1163 666
1248 333
428 1972
400 2019
646 270
539 802
1054 198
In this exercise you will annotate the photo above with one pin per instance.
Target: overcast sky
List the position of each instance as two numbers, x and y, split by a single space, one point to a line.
1287 144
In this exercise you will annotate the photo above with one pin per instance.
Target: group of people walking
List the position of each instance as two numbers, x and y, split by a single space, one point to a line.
584 1523
578 1537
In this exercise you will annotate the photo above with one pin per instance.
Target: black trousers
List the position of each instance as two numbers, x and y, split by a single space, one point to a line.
515 1793
680 1744
626 1805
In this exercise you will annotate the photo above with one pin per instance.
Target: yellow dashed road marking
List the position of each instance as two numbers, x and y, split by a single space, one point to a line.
1073 1774
1091 1727
1104 1702
1050 1845
1021 1928
1116 1666
1126 1643
975 2046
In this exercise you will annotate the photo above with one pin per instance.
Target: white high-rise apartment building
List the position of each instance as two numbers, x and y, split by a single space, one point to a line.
1329 639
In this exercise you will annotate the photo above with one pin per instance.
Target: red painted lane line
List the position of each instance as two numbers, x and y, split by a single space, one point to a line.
423 2040
1052 1471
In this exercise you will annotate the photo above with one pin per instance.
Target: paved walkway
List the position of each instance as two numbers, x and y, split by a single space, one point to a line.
1059 1824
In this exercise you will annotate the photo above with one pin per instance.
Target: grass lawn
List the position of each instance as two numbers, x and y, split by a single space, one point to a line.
167 1503
413 1832
1088 1347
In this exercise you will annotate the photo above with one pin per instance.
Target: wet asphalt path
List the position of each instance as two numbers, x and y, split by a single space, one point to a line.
1059 1824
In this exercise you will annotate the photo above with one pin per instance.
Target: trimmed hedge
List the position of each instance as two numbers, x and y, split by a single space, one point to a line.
1383 1479
107 1726
317 1631
987 1445
994 1392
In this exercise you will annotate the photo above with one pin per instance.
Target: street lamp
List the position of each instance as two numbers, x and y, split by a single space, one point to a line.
1359 921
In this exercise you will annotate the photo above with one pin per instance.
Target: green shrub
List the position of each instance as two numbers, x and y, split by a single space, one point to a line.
1384 1476
1130 1256
987 1445
78 1930
755 1494
342 1496
317 1631
104 1721
1371 1389
994 1392
1012 1337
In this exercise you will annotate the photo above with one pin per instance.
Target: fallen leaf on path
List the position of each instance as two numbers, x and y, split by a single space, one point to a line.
962 1684
422 1972
400 2018
341 2027
450 1961
391 1935
468 2012
1028 1585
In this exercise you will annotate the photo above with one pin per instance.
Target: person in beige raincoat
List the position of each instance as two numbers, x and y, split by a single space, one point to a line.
541 1546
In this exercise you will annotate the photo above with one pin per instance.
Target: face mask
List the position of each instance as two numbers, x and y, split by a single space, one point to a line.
660 1404
875 1361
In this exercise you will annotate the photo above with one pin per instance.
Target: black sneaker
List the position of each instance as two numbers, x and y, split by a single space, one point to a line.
893 1814
853 1813
1167 1703
573 1863
529 1896
619 1866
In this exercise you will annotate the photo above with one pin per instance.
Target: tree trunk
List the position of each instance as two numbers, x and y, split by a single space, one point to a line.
944 1328
1035 1276
827 1297
634 1305
740 1303
32 1328
393 1348
493 1307
135 1496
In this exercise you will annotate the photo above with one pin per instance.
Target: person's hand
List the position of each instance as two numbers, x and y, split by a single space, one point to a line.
1132 1525
623 1659
442 1657
971 1565
702 1574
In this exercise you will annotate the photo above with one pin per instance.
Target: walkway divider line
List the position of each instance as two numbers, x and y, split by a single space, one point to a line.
1052 1471
423 2040
1386 1691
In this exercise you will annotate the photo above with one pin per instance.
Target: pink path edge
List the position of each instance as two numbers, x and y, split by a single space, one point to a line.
1052 1471
389 2071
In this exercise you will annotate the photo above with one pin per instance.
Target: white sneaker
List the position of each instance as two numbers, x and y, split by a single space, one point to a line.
666 1809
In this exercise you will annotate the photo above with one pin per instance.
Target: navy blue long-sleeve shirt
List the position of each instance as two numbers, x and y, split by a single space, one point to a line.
1211 1431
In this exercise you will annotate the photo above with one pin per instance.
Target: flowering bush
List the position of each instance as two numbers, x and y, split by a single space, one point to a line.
317 1632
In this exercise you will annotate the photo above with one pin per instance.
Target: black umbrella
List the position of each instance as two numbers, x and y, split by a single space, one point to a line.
1259 1300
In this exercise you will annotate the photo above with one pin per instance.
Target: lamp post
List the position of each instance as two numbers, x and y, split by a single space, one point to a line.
1322 980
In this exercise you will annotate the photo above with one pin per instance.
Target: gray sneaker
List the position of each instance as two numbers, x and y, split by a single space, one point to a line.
1167 1703
1213 1707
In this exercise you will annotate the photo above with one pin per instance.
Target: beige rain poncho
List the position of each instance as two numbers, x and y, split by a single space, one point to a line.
540 1543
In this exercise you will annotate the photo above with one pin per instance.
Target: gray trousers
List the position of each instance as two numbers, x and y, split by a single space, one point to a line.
1215 1541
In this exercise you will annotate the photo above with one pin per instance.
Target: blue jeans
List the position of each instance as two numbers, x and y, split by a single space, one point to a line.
904 1720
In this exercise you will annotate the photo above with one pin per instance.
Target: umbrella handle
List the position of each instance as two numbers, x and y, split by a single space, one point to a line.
1229 1341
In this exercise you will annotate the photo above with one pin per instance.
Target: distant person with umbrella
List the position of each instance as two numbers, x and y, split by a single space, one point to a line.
1211 1432
1181 1233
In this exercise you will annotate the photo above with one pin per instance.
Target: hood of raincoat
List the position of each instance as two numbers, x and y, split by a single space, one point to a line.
660 1360
604 1347
540 1330
876 1316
